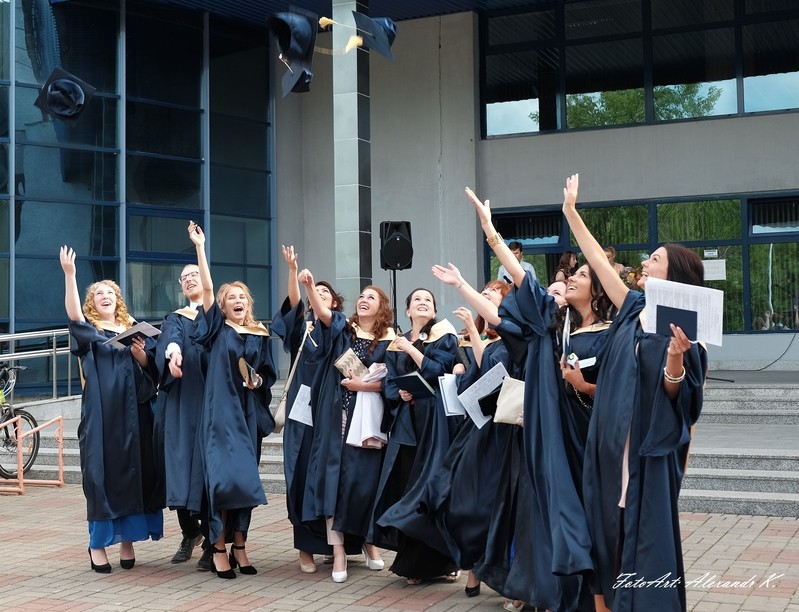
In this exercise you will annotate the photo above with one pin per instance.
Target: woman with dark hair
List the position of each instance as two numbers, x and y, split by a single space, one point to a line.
418 438
649 396
551 545
115 434
342 478
290 325
567 264
235 412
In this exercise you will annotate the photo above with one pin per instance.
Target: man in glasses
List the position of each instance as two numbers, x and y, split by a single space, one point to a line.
181 368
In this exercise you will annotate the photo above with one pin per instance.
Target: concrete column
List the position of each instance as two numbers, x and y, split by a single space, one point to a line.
352 174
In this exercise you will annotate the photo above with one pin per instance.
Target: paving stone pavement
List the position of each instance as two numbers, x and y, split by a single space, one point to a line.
45 566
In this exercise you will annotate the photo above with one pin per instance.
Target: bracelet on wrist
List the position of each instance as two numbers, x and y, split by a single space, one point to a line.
674 379
494 240
462 283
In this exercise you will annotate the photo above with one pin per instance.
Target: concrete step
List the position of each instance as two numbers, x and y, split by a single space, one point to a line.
755 414
739 502
743 459
729 480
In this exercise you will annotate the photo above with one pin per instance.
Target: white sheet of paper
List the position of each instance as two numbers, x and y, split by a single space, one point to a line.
449 394
301 408
708 304
480 388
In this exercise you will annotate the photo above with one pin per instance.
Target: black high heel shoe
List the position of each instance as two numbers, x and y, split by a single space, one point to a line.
127 563
244 569
472 591
224 574
100 569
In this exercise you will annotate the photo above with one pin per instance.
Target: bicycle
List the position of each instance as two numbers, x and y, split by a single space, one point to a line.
8 431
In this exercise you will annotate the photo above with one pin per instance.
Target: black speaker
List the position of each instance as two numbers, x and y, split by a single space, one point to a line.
396 247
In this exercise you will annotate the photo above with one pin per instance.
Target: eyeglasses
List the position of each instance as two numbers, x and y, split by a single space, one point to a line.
183 278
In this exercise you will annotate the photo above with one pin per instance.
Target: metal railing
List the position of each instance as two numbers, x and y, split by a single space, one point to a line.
52 336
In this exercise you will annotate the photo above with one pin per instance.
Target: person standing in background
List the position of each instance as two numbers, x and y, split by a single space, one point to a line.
518 252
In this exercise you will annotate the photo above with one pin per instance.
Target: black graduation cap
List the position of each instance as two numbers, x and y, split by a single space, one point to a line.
380 33
64 96
296 36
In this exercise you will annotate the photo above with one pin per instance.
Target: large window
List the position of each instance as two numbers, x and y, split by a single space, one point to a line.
622 62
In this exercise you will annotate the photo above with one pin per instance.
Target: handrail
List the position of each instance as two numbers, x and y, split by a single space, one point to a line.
20 478
53 352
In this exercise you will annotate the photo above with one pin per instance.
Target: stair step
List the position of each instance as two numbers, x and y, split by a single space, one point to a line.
753 415
739 502
731 480
743 459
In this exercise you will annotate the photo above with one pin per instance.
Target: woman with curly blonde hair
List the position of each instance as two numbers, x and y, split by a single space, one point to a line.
116 429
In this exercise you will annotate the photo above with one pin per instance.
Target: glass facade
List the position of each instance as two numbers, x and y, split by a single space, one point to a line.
185 134
602 63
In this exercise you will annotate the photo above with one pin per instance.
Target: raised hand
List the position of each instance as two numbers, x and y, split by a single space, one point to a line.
289 255
196 234
483 208
465 315
67 260
450 276
570 192
306 279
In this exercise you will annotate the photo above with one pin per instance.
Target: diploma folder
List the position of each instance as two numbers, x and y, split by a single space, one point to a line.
125 338
414 384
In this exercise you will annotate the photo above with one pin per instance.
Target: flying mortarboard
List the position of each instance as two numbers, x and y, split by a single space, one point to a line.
64 96
296 36
380 33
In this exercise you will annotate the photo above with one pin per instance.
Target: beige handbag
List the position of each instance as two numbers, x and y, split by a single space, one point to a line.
510 403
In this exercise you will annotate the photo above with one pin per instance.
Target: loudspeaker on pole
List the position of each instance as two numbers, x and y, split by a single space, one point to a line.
396 246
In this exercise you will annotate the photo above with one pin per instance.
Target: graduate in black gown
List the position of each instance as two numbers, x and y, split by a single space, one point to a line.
649 395
419 436
181 369
115 434
235 412
343 475
290 325
552 549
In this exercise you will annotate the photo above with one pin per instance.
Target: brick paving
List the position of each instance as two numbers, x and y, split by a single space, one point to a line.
732 563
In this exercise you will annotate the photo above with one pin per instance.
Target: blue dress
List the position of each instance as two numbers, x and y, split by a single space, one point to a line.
115 437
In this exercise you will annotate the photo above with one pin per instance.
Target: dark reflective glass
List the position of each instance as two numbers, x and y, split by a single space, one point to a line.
232 87
775 216
67 174
152 234
164 130
5 290
774 285
521 28
5 41
90 229
771 66
692 221
153 290
240 241
239 192
238 142
674 13
5 220
96 126
38 306
3 112
164 55
163 182
602 18
617 224
80 38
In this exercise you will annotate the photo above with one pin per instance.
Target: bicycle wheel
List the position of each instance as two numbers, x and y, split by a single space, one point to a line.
8 445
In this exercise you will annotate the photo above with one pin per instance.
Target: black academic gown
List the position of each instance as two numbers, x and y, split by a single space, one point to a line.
234 419
342 479
115 431
418 440
290 325
643 541
178 410
542 548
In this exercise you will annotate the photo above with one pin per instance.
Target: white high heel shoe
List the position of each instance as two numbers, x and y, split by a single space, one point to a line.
340 576
373 564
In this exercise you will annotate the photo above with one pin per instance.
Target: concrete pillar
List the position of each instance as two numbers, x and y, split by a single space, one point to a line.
352 174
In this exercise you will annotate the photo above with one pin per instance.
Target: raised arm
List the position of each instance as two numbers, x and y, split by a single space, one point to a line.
495 241
71 295
293 284
320 311
197 236
465 315
612 283
452 276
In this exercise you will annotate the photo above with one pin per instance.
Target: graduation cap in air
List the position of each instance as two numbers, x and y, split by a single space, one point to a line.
296 36
378 33
64 96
